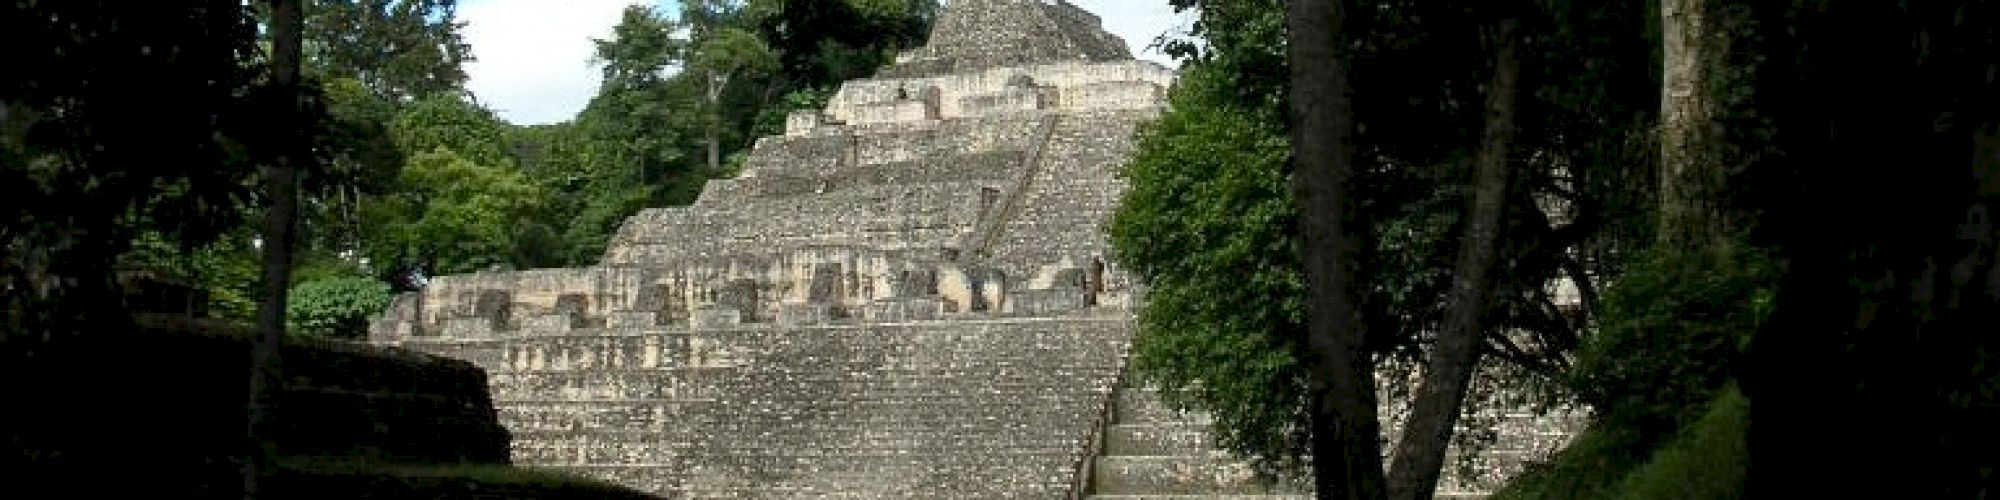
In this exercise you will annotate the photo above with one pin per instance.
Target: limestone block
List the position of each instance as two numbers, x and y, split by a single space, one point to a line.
1011 100
990 293
398 323
468 328
746 297
795 314
1117 300
956 289
546 324
715 317
824 286
893 112
1045 302
802 122
705 352
894 310
631 319
1062 275
573 305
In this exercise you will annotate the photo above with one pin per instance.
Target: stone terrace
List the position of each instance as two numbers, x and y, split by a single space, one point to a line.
907 295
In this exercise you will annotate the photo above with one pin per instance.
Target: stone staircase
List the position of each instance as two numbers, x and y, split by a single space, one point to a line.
1152 452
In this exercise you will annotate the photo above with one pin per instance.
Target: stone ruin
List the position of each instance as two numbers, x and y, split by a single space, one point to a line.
909 294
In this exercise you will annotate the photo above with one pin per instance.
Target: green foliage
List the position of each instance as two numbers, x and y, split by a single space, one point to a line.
456 215
605 207
1660 373
1705 460
362 152
461 203
731 51
313 266
115 119
399 49
1222 307
823 43
1207 225
1247 36
371 58
450 122
1672 328
641 46
358 158
336 307
227 269
640 124
1708 460
771 121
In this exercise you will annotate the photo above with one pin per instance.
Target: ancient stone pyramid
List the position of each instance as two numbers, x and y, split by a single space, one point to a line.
907 295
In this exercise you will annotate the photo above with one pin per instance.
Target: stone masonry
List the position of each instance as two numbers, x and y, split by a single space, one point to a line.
907 295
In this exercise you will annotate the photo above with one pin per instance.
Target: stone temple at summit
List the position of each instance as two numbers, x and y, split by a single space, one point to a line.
909 294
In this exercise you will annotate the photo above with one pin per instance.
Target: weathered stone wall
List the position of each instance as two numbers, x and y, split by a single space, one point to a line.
1058 85
164 408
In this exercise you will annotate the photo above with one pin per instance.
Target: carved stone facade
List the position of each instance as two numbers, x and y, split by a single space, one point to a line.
909 294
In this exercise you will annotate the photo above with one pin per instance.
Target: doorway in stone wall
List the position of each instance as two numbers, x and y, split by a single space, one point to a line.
1095 285
988 197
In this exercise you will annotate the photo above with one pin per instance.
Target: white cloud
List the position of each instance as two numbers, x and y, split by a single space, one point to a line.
533 56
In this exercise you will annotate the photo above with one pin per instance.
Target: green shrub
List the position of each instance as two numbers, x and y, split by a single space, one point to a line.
1705 460
336 307
1672 328
1670 421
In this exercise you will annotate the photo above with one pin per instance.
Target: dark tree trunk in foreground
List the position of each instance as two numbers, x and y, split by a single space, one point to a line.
287 18
1346 459
1419 456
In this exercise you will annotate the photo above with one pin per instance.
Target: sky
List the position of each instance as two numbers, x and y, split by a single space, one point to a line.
532 57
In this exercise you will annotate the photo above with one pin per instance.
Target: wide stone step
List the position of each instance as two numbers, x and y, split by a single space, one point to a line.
1179 476
591 416
1143 406
581 450
1159 439
666 383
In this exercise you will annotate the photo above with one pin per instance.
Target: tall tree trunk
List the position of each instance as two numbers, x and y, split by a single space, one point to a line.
1347 461
714 124
1419 456
1689 169
280 183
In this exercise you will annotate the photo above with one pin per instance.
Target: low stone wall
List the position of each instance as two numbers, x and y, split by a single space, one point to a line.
998 408
1068 85
97 408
